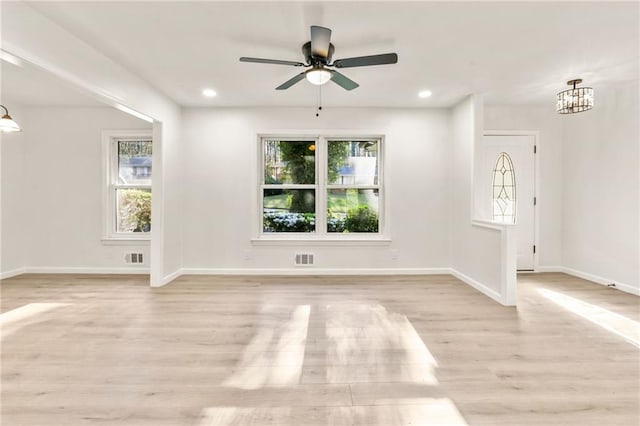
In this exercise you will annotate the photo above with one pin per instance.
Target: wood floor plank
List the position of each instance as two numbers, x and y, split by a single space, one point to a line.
403 350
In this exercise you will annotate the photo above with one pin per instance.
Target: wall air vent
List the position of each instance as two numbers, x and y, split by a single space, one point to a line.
304 259
133 258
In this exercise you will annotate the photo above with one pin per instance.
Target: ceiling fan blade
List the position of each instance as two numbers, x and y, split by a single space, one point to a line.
271 61
320 40
363 61
291 82
343 81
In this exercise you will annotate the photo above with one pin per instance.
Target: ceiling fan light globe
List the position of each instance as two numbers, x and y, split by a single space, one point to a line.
318 76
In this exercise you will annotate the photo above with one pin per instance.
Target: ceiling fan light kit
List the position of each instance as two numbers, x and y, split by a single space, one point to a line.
318 76
318 53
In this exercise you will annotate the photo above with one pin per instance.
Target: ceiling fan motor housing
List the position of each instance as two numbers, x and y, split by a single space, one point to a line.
316 60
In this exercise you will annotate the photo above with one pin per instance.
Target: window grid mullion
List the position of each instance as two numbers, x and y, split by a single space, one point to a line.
321 193
288 186
352 186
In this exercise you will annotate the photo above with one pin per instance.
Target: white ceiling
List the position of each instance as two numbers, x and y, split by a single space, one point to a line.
512 52
26 84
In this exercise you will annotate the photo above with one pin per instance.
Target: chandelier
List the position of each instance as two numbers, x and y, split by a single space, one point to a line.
576 99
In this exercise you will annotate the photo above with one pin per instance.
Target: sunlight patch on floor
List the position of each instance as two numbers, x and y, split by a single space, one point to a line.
615 323
426 412
15 319
386 342
258 368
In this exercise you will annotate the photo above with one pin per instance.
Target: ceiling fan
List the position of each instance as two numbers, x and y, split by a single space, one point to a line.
318 53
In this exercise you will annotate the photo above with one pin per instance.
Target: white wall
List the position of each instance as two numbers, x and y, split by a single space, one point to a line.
62 207
601 186
33 37
482 256
221 152
12 207
589 184
548 123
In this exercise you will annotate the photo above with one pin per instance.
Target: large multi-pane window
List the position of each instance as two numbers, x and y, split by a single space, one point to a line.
321 186
129 187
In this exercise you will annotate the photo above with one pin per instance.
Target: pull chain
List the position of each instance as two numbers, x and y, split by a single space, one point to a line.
319 100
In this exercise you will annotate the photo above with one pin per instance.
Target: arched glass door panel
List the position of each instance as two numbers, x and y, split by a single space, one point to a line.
504 190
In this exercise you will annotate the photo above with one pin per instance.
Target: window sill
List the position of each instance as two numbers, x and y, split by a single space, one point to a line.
126 241
310 241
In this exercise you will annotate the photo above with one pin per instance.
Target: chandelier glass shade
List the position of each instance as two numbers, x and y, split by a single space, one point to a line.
576 99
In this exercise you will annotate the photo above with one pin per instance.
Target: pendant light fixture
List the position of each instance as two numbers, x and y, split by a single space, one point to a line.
576 99
6 122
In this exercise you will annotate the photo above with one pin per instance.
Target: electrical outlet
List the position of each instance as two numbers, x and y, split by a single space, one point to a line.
394 254
247 254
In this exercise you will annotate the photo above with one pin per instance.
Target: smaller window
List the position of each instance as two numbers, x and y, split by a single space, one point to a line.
504 190
128 186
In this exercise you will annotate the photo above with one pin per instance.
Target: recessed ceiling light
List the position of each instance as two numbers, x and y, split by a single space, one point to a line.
425 93
209 93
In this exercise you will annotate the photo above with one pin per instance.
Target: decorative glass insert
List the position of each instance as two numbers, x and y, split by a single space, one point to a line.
504 190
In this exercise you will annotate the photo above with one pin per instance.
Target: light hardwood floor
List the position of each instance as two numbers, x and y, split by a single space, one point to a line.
109 350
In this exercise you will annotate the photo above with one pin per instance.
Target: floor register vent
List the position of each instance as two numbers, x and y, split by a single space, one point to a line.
304 259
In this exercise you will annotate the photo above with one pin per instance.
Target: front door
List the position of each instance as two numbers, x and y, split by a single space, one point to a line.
508 178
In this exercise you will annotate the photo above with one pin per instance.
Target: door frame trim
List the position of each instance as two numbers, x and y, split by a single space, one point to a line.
536 179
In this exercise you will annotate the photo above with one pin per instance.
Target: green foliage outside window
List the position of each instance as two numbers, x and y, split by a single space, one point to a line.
362 219
134 210
359 219
338 152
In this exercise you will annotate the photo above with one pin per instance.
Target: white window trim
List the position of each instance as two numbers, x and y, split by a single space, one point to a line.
109 166
321 236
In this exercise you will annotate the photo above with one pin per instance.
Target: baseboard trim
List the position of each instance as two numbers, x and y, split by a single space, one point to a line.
602 281
549 269
166 280
13 273
478 286
315 271
84 270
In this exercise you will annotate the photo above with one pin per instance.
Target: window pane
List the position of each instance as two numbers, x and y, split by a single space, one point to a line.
352 210
133 210
134 162
289 210
289 162
353 163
